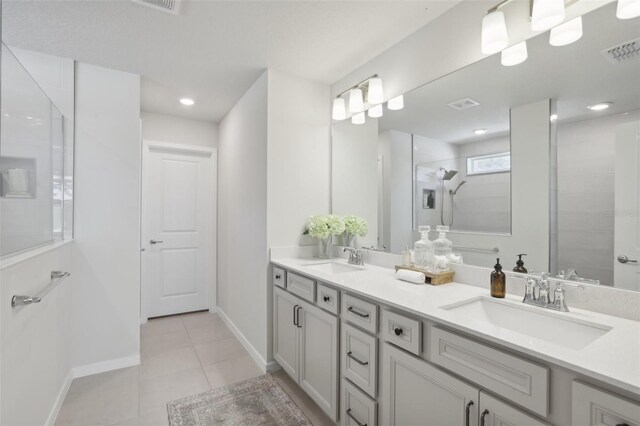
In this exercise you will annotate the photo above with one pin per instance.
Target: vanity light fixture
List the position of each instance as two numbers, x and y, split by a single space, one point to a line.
186 101
375 93
566 33
339 111
514 55
358 118
480 131
375 111
628 9
396 103
546 14
600 107
494 31
356 101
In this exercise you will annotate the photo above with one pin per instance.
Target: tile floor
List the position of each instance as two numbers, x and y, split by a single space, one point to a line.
181 355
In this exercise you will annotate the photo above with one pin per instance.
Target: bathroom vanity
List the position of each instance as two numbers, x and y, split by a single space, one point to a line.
370 349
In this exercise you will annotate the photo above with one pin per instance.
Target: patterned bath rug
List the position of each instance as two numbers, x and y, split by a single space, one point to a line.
257 401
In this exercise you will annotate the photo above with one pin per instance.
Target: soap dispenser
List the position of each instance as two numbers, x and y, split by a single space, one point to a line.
520 265
498 281
423 249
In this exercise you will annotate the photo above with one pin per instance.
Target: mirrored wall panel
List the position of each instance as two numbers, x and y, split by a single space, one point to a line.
540 158
32 154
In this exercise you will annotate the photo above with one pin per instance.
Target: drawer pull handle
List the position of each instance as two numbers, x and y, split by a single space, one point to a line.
467 410
298 316
397 331
360 314
295 322
350 355
326 298
278 277
622 424
354 419
484 414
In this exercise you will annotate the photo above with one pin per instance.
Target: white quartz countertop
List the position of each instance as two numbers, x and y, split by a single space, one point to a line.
613 358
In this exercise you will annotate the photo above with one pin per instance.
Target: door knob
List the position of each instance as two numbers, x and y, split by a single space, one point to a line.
156 241
624 259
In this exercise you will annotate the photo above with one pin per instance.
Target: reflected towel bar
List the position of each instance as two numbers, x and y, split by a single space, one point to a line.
56 278
479 249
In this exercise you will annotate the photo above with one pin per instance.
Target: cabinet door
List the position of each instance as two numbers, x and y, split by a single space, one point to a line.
494 412
416 393
594 407
285 332
319 357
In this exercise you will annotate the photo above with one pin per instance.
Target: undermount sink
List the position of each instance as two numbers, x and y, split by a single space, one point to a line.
530 321
334 267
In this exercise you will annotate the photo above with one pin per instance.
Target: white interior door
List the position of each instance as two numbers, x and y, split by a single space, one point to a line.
177 241
627 207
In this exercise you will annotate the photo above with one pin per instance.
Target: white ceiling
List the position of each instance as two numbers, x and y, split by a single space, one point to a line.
576 75
213 50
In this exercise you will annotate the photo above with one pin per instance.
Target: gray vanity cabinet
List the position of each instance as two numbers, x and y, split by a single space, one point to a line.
305 344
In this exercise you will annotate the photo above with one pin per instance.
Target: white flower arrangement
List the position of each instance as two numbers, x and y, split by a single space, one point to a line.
355 225
324 226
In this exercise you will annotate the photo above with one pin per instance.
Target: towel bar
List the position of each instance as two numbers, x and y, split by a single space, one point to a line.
56 278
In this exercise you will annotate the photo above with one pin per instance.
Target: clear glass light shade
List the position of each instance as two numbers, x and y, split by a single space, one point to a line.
628 9
566 33
494 33
376 94
546 14
396 103
514 55
339 110
356 103
358 118
376 111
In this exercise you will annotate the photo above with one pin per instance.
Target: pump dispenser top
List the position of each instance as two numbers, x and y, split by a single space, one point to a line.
520 265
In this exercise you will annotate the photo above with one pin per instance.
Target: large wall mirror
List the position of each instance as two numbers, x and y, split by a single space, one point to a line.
513 159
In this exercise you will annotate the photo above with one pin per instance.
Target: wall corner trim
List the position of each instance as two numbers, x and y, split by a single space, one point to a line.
104 366
55 410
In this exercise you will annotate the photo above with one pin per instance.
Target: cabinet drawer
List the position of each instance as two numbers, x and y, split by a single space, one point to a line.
327 298
301 286
361 313
519 380
496 413
591 406
279 277
359 358
357 408
402 331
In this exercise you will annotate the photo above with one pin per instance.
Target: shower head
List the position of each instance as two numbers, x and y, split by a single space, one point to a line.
453 192
448 174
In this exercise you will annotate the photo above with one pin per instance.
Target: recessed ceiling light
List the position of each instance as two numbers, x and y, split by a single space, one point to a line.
553 117
480 131
600 107
187 101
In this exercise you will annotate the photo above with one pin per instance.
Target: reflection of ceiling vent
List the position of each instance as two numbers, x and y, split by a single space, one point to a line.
169 6
464 103
623 52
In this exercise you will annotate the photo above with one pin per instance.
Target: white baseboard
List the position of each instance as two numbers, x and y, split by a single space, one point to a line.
265 366
53 414
101 367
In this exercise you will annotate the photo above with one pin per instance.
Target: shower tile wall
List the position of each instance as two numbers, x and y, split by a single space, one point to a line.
586 172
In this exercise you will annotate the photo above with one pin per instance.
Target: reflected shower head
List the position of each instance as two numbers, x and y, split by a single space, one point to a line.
448 174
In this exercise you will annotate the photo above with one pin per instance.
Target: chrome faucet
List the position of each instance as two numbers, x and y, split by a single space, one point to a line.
355 255
542 296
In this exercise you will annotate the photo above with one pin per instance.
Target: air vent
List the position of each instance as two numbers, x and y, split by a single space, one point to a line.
623 52
464 103
169 6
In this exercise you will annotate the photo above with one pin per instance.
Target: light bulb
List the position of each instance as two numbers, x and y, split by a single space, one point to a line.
375 112
514 55
358 118
546 14
566 33
376 95
339 111
396 103
356 103
628 9
494 33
